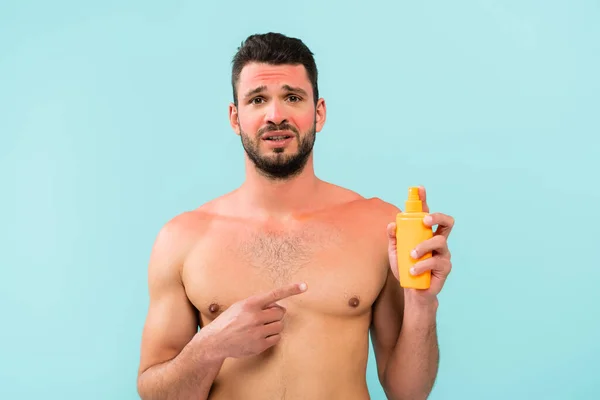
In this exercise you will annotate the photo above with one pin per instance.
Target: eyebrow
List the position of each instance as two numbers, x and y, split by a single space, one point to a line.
255 91
295 90
262 88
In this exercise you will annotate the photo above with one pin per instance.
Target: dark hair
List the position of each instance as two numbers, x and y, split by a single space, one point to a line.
275 49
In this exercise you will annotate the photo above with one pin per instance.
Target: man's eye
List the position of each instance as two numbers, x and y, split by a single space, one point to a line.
256 100
294 99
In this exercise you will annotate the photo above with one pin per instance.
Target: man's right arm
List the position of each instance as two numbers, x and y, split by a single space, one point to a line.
176 361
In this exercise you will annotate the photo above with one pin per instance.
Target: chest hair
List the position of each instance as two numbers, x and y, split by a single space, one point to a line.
278 255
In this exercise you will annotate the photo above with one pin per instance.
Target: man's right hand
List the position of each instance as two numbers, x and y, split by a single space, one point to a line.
252 325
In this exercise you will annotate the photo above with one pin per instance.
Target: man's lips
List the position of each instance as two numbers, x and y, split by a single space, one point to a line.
277 135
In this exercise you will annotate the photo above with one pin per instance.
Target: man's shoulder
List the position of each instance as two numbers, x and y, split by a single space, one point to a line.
186 222
362 203
188 226
365 211
376 210
179 235
348 195
193 222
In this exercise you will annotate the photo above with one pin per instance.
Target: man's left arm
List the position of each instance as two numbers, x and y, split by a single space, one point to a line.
404 328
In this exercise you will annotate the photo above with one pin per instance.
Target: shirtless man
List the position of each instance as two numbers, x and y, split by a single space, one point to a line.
270 291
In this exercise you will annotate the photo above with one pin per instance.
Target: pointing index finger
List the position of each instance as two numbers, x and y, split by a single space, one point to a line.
280 293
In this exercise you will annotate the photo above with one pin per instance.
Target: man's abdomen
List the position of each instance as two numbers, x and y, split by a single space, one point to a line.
307 364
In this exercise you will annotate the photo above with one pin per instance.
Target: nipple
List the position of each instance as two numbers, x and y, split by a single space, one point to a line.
213 308
353 302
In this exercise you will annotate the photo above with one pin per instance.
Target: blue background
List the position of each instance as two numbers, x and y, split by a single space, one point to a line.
113 119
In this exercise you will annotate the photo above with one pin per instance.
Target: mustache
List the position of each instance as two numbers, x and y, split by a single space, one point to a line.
274 127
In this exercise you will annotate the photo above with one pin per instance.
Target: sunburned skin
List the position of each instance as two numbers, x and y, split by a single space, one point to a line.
342 257
206 335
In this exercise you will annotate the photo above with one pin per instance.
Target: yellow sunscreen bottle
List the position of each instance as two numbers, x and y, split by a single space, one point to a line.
410 231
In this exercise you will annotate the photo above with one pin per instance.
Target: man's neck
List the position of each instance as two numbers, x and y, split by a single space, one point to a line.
279 198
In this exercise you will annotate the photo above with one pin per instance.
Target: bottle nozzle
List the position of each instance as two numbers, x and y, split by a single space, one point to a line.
414 203
413 193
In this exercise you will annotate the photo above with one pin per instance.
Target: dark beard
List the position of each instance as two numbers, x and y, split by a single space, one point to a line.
281 166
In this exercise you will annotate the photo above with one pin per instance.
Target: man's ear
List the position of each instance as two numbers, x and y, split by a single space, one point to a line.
321 114
233 118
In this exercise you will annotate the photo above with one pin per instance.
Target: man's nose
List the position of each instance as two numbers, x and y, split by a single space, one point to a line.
276 113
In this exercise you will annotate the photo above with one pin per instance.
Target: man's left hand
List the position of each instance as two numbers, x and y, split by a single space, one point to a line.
439 263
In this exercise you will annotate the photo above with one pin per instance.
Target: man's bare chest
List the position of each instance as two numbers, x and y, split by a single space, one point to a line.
344 271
